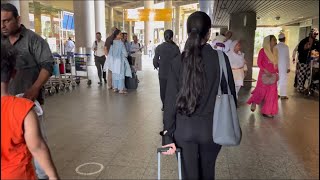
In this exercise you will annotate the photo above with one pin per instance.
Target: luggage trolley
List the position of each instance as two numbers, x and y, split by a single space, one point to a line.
81 64
66 75
50 86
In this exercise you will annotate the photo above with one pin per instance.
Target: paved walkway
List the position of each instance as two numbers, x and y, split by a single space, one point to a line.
121 132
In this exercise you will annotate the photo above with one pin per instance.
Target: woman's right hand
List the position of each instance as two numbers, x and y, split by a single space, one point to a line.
172 149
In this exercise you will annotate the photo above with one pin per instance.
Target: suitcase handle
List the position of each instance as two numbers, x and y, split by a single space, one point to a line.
166 149
178 151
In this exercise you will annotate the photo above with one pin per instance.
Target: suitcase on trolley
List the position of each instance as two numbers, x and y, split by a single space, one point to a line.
178 152
61 68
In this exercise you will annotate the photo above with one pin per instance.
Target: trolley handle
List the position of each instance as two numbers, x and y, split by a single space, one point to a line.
160 150
82 54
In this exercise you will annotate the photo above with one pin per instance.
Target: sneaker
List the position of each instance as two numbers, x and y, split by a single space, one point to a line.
100 83
105 81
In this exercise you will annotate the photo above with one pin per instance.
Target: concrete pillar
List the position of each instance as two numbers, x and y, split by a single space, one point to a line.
177 24
168 5
148 28
130 31
244 25
100 17
84 24
51 26
111 20
24 13
37 18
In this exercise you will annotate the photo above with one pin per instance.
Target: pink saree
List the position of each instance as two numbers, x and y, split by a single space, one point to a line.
265 95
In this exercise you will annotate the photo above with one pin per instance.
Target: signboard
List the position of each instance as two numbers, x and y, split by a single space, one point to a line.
81 64
148 14
52 44
67 21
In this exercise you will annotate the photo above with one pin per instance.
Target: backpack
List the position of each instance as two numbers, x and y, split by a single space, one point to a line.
138 44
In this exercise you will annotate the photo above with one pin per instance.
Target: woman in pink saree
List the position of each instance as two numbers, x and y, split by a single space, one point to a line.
266 94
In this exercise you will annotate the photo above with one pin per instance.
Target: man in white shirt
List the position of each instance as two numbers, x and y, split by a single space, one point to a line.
69 48
99 56
283 66
136 53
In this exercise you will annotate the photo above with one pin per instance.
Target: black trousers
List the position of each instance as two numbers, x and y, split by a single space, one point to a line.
198 160
296 76
163 88
99 62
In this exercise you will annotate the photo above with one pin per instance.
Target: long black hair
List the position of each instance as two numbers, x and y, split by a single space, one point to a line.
168 35
115 34
8 62
193 74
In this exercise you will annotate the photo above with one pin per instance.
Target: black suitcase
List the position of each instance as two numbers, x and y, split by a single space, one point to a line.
132 83
178 151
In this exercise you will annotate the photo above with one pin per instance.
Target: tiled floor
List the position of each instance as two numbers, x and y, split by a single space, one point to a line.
121 132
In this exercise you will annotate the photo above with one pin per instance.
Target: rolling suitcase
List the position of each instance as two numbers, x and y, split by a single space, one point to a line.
132 83
159 151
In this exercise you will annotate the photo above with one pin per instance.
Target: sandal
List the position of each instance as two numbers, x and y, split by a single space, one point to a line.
253 107
123 92
115 90
268 116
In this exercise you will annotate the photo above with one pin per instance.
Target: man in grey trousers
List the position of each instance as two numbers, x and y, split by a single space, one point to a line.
99 57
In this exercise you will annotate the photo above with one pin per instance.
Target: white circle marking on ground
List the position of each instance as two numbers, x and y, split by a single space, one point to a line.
92 173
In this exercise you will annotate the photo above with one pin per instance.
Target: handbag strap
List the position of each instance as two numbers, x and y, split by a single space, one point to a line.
223 70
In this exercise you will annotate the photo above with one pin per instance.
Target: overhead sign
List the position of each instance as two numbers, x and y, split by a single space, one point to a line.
148 14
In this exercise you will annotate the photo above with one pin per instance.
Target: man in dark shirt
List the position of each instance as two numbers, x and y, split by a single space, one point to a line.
34 61
305 47
106 50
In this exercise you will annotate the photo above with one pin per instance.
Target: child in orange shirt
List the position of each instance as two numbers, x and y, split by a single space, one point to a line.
20 133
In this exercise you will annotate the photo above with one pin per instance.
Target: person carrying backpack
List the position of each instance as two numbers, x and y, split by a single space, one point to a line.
99 56
136 53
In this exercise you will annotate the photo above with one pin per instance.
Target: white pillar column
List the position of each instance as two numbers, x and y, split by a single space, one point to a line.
24 13
84 24
177 24
111 21
130 31
100 17
148 28
168 5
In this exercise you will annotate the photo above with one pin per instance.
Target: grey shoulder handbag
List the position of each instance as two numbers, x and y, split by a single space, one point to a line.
226 129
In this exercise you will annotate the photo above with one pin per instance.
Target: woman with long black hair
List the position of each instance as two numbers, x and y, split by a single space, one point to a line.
192 87
164 54
118 63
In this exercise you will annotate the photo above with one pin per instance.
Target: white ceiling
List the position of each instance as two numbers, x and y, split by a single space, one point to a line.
289 11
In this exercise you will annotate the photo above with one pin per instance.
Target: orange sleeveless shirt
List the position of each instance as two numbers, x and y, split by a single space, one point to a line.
16 159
